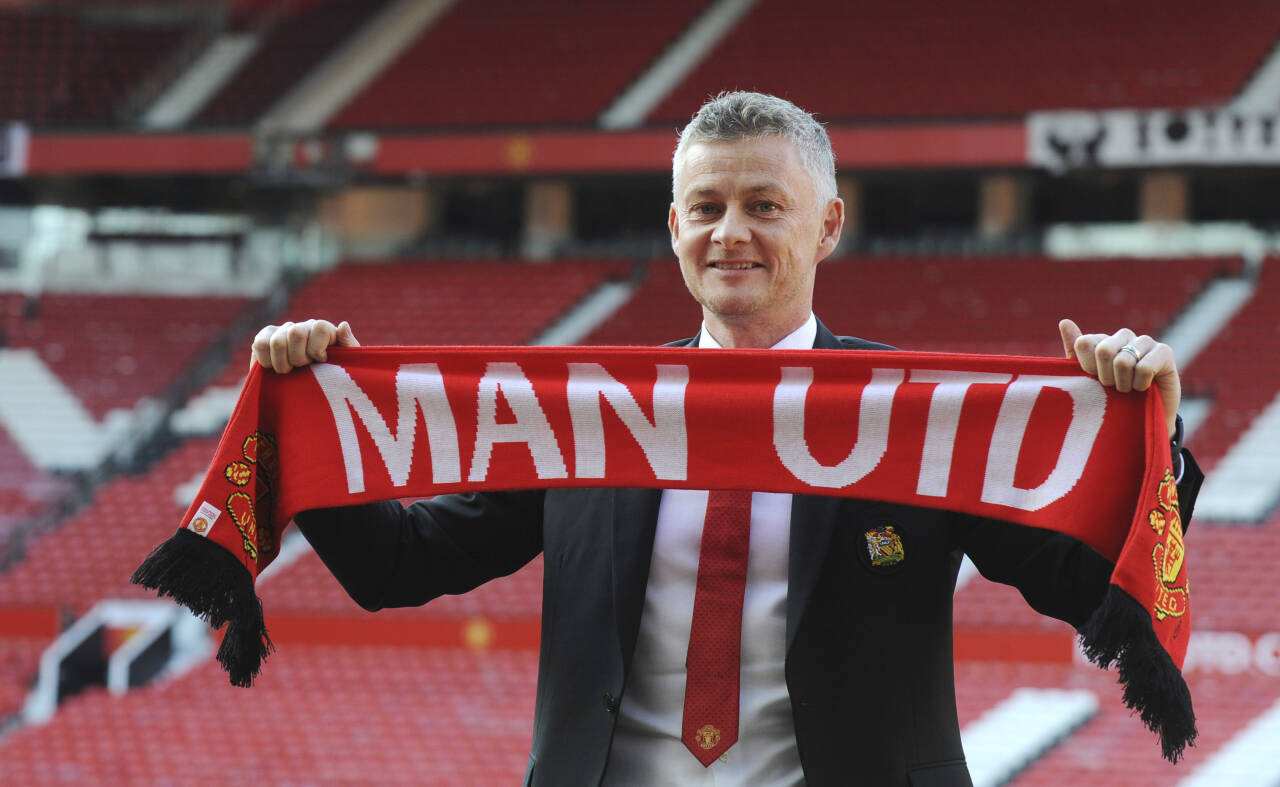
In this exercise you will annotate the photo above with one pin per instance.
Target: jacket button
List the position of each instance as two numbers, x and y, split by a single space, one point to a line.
610 704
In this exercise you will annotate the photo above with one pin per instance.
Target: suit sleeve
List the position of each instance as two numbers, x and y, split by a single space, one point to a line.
389 555
1058 575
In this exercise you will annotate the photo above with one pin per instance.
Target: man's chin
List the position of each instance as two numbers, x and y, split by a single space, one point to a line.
732 306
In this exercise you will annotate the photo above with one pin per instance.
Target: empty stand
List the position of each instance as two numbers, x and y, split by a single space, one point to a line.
659 311
91 555
24 491
419 302
112 350
448 302
289 49
60 66
1007 305
352 715
510 63
1216 373
1114 749
19 661
932 58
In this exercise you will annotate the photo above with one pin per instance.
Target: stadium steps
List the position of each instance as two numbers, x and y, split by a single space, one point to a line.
505 63
1261 94
1009 736
48 421
1251 759
674 64
1114 748
1205 316
286 50
1245 484
62 68
350 68
201 80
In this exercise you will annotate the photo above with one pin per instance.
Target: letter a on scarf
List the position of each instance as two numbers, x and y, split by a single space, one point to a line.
1033 442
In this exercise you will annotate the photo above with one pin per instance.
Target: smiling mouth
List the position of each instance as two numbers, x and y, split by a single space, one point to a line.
734 265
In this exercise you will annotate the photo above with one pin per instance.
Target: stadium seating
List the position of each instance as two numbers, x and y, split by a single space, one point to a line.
932 58
399 715
1006 305
509 63
449 302
1113 749
24 491
466 302
112 350
19 660
1215 373
91 555
62 67
293 46
349 715
441 302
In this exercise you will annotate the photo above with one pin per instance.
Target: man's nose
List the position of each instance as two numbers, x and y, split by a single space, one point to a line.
732 229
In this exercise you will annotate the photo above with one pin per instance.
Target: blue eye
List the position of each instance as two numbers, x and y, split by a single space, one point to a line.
766 207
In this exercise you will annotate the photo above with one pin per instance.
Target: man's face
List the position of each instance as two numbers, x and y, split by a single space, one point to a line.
749 232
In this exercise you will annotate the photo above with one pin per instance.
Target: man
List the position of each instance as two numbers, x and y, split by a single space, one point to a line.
754 212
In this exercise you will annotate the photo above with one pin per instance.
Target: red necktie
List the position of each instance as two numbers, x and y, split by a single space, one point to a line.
715 641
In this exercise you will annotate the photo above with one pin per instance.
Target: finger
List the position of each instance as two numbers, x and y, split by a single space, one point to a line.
345 337
280 349
1125 364
297 343
1070 332
1085 348
1155 361
319 338
1159 367
1105 355
260 349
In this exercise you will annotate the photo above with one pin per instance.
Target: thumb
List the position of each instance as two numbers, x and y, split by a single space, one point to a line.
1070 332
345 337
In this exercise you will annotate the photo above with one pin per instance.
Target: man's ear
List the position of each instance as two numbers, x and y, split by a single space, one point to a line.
832 224
673 224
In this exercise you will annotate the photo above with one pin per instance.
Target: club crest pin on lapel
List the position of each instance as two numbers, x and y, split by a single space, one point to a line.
884 547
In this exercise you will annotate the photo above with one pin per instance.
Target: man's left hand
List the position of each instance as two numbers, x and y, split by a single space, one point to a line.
1126 361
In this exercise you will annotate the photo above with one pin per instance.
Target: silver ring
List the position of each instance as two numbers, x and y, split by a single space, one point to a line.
1129 348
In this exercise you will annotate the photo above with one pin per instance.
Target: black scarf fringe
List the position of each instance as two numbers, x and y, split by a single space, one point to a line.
1119 632
207 579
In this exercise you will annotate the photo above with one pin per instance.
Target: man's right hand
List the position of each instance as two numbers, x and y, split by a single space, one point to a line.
286 347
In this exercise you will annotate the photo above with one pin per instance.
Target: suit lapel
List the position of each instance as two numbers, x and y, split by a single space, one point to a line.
635 520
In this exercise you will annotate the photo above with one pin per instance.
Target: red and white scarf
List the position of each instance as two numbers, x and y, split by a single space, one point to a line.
1034 442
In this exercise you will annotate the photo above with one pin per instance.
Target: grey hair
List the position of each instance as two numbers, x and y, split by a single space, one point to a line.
738 115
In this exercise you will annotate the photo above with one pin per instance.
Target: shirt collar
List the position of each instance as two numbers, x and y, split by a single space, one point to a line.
801 338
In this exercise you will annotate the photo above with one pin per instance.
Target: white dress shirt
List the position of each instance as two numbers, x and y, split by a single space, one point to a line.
647 749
